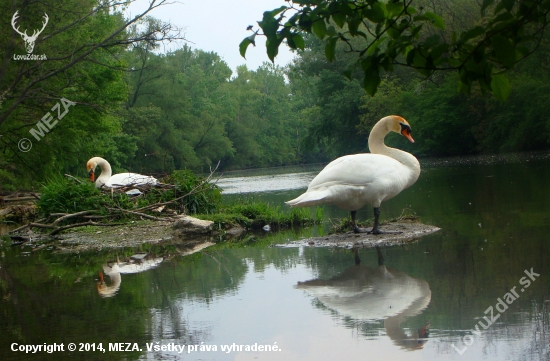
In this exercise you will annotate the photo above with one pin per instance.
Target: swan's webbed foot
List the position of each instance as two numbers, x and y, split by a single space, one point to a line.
360 230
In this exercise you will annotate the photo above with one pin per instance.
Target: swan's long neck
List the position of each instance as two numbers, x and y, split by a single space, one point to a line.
106 171
377 146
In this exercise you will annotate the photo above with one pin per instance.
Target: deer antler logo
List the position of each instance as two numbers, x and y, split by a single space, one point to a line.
29 40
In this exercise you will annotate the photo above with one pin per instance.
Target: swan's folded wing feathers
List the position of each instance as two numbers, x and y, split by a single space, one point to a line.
356 170
123 179
310 198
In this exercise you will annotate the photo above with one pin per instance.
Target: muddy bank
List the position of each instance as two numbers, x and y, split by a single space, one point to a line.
411 231
129 235
137 233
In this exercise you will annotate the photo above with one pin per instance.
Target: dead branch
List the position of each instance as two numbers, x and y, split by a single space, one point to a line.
40 225
71 216
96 217
141 215
20 228
83 224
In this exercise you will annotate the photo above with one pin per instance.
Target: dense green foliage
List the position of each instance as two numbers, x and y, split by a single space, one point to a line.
154 113
385 33
339 116
62 195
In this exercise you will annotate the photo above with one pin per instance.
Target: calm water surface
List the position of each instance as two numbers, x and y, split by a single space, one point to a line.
313 303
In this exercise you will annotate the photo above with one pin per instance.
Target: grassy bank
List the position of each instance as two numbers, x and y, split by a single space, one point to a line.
256 215
67 202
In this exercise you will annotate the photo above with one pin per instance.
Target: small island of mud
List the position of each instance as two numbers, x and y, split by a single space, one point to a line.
411 231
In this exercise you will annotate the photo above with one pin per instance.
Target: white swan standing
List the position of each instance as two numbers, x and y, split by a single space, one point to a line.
352 181
117 180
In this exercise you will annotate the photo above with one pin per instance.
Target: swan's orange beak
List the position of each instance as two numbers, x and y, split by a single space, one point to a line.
92 178
407 134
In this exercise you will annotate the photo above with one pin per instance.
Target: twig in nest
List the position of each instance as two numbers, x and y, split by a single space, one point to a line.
192 191
75 179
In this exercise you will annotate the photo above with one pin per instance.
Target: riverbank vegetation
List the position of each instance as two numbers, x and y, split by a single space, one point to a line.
67 202
153 113
257 215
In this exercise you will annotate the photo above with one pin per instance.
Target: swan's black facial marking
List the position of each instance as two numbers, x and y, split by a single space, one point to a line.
405 129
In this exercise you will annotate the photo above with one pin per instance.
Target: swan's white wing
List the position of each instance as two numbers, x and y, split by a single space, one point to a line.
352 181
123 179
358 170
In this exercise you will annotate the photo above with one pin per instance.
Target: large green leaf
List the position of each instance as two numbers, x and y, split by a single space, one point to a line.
394 9
272 44
339 18
319 28
277 11
299 41
269 24
243 46
435 19
376 13
472 33
500 85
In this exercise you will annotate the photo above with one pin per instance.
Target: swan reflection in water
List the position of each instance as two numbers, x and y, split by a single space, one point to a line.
364 293
136 264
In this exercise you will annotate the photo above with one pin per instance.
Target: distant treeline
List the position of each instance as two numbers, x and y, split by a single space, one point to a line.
153 113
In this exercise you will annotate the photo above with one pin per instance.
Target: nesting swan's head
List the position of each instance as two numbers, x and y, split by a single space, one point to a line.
91 166
398 124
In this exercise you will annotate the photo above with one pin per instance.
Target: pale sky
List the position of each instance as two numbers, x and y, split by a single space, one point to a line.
219 26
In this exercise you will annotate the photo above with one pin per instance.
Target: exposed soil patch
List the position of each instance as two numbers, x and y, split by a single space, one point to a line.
132 235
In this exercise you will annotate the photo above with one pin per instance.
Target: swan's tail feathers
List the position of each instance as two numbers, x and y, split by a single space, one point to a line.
310 198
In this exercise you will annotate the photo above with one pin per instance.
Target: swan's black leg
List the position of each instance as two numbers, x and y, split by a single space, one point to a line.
354 224
375 229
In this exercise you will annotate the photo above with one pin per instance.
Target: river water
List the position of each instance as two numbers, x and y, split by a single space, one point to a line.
478 289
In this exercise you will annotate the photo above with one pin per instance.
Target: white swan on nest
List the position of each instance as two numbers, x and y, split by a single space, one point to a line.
117 180
352 181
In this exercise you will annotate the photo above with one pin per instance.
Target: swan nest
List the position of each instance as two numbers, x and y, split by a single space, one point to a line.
411 232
